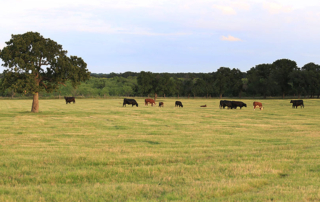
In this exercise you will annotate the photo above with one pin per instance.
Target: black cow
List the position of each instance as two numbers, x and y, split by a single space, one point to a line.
178 103
70 99
225 103
129 102
296 103
236 104
161 104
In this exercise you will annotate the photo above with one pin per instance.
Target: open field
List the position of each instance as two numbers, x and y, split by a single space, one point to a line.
97 150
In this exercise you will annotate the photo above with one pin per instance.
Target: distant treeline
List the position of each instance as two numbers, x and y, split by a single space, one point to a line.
281 78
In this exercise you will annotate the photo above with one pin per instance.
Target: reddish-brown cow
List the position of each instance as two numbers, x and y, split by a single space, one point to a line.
257 105
151 101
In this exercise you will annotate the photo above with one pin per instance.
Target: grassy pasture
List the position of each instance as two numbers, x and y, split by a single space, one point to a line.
97 150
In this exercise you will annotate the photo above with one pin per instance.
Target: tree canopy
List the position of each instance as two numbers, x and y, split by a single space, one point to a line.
34 63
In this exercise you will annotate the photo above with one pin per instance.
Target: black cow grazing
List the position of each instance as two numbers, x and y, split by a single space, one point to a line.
225 103
236 104
178 103
70 99
161 104
296 103
129 102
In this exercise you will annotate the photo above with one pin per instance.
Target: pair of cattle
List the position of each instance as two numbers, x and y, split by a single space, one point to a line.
231 104
134 102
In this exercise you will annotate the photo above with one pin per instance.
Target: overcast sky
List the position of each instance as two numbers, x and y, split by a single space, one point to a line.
171 35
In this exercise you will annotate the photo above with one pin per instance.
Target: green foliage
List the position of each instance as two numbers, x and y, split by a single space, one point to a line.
34 63
281 71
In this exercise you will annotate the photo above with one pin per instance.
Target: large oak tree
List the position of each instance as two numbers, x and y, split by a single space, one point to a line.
34 63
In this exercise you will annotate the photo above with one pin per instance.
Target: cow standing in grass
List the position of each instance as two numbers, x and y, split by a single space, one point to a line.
161 104
225 103
236 104
151 101
70 99
257 105
296 103
129 102
178 104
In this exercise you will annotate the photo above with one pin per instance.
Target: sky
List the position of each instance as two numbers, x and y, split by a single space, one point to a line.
171 35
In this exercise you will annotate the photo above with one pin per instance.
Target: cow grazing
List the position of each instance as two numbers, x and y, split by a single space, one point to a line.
178 103
236 104
296 103
257 105
70 99
203 106
161 104
129 102
225 103
151 101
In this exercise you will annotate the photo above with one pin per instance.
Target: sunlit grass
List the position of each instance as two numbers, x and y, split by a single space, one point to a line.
100 151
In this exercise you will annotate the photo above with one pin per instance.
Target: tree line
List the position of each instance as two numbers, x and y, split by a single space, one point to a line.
280 78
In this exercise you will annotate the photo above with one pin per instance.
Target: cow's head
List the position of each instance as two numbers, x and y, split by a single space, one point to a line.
291 101
244 104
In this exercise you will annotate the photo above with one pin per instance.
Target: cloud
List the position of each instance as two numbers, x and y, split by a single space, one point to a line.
275 8
230 38
227 10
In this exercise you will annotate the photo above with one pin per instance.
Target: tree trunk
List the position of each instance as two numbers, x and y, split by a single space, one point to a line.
155 96
240 94
282 95
207 95
188 95
264 96
35 103
178 95
220 95
164 95
299 95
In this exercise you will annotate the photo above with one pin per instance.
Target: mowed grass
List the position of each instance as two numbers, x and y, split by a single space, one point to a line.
97 150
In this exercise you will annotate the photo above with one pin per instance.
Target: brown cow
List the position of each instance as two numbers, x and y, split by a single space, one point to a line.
161 104
151 101
257 105
203 106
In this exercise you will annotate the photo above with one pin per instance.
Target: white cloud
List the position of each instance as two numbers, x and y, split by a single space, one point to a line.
227 10
275 8
230 38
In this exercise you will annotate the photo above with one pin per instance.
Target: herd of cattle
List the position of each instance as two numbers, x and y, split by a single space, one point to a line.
223 103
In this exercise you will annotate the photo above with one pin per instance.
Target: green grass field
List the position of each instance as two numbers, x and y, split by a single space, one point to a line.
97 150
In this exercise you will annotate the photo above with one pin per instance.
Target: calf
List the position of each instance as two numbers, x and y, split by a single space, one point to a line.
151 101
161 104
296 103
178 103
256 105
70 99
129 102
